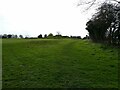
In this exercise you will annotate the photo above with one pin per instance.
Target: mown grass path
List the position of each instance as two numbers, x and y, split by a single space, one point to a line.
52 63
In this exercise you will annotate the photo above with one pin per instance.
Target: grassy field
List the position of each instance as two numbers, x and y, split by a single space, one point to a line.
63 63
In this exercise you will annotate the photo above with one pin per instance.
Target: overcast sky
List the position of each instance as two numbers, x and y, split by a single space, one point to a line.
34 17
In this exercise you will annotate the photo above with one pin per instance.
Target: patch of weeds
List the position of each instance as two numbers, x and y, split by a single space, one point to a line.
112 65
111 50
98 58
93 54
104 47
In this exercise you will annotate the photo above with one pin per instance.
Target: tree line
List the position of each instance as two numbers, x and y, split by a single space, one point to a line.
58 36
49 36
104 26
10 36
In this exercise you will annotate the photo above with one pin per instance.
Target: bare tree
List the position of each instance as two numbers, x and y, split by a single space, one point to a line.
58 33
91 3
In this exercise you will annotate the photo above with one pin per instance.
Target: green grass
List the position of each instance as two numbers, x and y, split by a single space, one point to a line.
63 63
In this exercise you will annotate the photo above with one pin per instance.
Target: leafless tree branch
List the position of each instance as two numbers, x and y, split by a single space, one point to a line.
116 1
93 2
